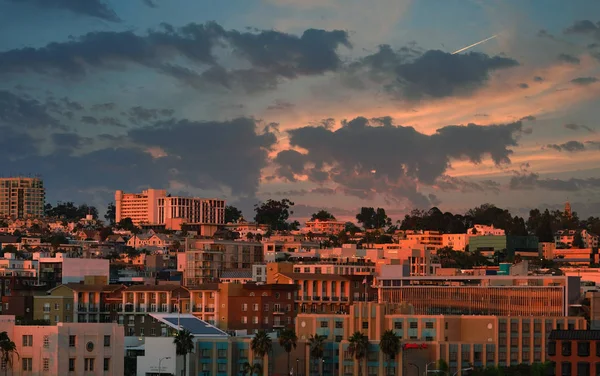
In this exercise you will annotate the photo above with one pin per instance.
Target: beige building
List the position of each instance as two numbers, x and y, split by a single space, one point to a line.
140 207
324 227
65 349
22 197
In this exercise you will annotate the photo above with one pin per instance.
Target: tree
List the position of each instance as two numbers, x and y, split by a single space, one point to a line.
322 215
58 239
111 214
358 348
261 344
251 369
316 346
389 345
578 240
127 225
9 248
373 219
288 340
7 350
275 214
232 214
250 236
442 366
184 344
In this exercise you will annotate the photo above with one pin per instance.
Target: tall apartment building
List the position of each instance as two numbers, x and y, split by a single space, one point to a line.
22 197
155 207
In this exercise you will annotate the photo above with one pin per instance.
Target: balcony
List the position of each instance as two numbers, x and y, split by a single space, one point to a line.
344 298
278 311
209 309
315 297
93 308
278 325
325 298
197 309
128 307
335 298
82 308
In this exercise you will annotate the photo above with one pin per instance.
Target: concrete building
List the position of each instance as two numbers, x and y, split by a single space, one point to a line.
331 227
66 348
22 197
457 242
62 269
575 352
485 230
526 246
205 259
483 295
155 207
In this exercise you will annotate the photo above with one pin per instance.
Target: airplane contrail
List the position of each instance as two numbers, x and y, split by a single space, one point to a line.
474 44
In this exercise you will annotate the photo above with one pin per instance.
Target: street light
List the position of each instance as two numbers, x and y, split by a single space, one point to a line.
160 362
298 366
462 370
322 367
433 370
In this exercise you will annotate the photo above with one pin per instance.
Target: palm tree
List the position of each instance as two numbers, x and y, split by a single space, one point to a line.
287 340
7 349
261 344
250 236
390 346
316 344
358 348
443 367
251 369
184 344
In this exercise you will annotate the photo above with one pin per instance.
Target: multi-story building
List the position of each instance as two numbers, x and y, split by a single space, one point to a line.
575 352
431 238
510 245
462 341
22 197
360 267
565 238
66 348
205 259
251 307
483 294
324 227
457 242
155 207
485 230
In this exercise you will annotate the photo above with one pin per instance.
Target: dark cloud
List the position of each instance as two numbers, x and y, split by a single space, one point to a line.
271 55
595 144
280 105
450 183
569 59
89 120
69 142
523 85
530 181
104 107
92 8
570 146
364 157
585 27
150 3
441 74
576 127
142 115
591 46
210 154
584 81
25 112
323 191
15 145
545 34
538 79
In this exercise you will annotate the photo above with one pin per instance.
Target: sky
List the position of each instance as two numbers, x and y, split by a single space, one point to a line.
334 104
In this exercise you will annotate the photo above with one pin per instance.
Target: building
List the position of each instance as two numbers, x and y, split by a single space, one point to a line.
155 207
61 269
457 242
575 352
483 294
331 227
22 197
510 245
431 238
462 341
66 348
485 230
205 259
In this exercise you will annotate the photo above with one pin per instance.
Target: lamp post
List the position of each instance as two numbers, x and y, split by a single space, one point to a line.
298 366
322 367
160 362
416 366
427 368
462 370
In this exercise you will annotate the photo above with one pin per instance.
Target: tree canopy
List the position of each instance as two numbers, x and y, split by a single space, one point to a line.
232 214
275 214
322 215
69 211
372 218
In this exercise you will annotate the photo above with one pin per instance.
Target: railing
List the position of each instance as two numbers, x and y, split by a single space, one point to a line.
197 309
93 308
316 297
209 309
325 298
82 308
344 298
278 311
335 298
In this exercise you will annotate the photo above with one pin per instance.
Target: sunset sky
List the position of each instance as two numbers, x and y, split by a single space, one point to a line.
334 104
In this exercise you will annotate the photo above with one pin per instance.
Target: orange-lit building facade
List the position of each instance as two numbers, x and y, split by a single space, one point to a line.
575 352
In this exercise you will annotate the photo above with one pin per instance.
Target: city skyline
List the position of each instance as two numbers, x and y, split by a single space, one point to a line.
333 106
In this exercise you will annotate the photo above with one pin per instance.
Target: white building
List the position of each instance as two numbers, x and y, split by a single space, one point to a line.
482 230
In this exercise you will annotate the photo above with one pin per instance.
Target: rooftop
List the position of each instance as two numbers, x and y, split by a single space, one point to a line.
592 335
194 325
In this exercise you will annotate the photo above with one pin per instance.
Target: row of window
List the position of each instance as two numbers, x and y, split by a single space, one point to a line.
412 325
89 364
28 340
276 307
276 320
583 348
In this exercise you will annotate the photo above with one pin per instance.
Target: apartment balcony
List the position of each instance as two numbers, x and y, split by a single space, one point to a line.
93 308
82 308
140 309
197 309
128 307
344 298
315 297
209 309
335 298
278 311
46 309
278 325
325 298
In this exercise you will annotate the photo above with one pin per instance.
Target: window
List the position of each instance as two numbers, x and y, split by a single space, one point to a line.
583 369
222 367
338 338
222 353
339 324
88 364
107 364
244 307
365 325
56 306
27 340
71 364
565 368
46 341
429 325
566 348
266 307
255 319
397 324
72 340
583 348
266 320
551 348
324 324
27 364
46 364
244 319
106 341
413 325
255 307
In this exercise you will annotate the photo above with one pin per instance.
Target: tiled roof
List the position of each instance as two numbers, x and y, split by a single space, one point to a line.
92 288
591 335
236 274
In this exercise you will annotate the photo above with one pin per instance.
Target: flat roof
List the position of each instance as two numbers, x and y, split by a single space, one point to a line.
194 325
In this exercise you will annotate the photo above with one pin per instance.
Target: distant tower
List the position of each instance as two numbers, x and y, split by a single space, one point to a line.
568 212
